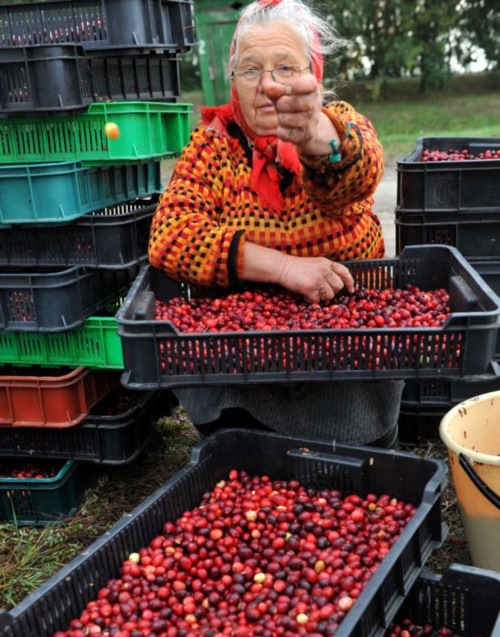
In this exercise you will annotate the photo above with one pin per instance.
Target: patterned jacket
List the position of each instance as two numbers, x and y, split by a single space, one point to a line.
208 210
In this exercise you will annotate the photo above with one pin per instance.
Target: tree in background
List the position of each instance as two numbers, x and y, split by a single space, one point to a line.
392 39
397 38
480 22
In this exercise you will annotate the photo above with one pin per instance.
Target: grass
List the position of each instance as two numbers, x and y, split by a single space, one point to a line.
29 556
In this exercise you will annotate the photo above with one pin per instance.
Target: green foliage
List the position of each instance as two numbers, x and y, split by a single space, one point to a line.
480 21
400 39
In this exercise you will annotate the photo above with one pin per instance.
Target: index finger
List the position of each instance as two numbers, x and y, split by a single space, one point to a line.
344 274
303 85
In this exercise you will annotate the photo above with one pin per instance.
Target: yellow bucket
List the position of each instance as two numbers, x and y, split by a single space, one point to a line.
471 431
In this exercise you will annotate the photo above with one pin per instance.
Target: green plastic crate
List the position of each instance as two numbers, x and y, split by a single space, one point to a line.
147 130
44 501
64 191
96 345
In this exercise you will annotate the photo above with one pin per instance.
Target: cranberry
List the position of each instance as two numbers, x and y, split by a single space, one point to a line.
216 571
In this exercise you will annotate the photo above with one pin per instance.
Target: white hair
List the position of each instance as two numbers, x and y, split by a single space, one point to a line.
318 35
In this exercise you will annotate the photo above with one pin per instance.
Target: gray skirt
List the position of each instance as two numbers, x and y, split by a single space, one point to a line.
347 412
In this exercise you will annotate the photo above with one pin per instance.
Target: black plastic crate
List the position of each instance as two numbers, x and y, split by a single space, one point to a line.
51 300
424 403
434 392
156 355
464 599
313 463
490 272
418 426
112 238
101 438
47 79
99 25
475 234
449 186
44 501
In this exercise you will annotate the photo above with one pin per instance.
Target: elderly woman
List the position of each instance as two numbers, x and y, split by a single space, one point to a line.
275 188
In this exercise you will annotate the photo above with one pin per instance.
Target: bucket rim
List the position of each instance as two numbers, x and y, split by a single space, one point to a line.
461 409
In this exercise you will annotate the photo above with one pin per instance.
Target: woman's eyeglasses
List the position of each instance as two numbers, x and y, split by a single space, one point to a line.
250 78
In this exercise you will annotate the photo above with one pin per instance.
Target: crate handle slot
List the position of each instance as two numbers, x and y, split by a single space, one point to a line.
462 297
145 308
327 470
346 461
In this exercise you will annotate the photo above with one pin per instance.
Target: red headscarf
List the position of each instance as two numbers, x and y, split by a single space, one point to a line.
266 150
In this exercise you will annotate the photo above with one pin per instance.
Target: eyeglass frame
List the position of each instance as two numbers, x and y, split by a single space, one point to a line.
236 74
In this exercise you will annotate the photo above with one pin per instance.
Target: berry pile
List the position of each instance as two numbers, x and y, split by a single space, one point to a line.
244 332
407 628
272 310
27 471
256 558
120 402
458 155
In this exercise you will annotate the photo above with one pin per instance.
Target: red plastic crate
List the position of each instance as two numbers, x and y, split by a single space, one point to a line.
64 400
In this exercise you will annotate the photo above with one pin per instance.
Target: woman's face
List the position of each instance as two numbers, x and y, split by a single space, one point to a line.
266 48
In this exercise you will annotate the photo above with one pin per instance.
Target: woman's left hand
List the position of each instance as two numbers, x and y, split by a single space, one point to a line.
301 121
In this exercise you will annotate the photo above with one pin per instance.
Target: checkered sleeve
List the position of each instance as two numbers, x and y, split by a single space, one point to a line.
187 240
355 177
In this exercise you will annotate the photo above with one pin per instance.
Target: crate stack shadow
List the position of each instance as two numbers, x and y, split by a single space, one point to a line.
75 212
453 199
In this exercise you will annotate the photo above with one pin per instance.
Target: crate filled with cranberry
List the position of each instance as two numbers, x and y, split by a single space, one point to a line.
119 26
117 429
427 313
463 602
260 534
448 192
54 299
40 492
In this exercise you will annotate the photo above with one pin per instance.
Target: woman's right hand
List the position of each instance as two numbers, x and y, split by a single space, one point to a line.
315 278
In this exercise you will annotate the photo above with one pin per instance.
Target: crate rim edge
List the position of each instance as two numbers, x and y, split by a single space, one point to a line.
419 146
453 251
38 483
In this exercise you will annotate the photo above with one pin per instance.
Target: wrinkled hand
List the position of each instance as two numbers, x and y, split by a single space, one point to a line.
298 107
315 278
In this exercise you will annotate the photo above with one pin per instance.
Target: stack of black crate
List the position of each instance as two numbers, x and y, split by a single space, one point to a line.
75 213
448 192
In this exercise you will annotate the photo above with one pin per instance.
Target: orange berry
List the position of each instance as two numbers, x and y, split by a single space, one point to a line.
111 130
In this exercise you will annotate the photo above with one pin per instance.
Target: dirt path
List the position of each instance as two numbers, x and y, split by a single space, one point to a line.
385 205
